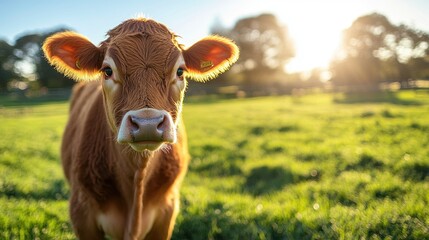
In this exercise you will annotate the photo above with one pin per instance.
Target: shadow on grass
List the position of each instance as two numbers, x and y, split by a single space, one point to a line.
264 180
220 220
218 161
375 97
366 162
414 171
222 169
56 191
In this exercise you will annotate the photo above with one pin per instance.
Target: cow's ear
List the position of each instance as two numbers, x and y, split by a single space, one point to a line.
74 56
209 57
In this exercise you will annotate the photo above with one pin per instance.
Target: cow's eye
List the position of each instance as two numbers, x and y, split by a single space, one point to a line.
108 72
180 72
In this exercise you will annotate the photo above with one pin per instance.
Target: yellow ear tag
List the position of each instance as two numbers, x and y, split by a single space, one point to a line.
78 65
206 64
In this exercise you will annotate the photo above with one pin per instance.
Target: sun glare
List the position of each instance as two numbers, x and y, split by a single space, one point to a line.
314 49
316 29
314 26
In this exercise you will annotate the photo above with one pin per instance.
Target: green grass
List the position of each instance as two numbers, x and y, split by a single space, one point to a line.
310 167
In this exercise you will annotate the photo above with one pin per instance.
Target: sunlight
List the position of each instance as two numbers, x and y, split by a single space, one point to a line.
314 26
311 53
316 31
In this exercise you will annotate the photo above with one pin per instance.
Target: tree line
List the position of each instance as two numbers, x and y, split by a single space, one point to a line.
23 65
373 51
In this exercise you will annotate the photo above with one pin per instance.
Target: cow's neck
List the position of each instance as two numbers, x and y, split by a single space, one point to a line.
133 171
127 164
136 211
131 168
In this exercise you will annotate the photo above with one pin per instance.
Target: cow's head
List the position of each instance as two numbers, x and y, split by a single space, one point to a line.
143 69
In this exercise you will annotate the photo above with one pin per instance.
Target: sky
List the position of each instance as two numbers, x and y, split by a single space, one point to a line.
314 25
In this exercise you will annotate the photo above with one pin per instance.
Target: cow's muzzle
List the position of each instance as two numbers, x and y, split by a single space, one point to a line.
147 129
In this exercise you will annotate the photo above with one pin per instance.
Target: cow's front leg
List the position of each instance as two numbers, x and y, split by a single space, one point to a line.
83 219
164 222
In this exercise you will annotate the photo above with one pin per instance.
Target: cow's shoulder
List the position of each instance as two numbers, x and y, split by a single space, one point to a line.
92 143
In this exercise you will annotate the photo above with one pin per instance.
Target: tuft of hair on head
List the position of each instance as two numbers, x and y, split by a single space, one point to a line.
209 57
141 16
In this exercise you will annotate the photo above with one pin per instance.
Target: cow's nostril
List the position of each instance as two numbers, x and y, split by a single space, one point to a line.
161 124
134 126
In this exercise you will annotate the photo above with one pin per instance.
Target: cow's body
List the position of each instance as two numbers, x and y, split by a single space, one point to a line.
124 149
106 190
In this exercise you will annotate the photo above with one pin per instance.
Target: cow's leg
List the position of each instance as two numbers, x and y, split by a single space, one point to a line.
83 220
164 223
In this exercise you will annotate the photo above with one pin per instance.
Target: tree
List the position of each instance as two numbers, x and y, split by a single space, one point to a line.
420 67
264 45
7 62
357 65
28 50
375 50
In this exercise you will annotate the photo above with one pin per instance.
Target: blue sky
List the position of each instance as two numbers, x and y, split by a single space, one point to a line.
192 19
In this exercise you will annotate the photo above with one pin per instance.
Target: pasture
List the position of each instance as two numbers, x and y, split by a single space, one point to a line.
305 167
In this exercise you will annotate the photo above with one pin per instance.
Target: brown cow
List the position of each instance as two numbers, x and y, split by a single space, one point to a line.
124 150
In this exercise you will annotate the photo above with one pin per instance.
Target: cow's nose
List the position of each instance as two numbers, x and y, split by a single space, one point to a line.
147 128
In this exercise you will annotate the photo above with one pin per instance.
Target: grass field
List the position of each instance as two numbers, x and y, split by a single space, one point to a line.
309 167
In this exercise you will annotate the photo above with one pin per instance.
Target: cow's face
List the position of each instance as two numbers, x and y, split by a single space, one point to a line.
143 85
142 69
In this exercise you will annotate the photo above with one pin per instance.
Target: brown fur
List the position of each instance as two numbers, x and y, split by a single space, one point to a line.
114 189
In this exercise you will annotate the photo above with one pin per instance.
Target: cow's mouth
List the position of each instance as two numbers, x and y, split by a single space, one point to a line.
147 129
145 145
